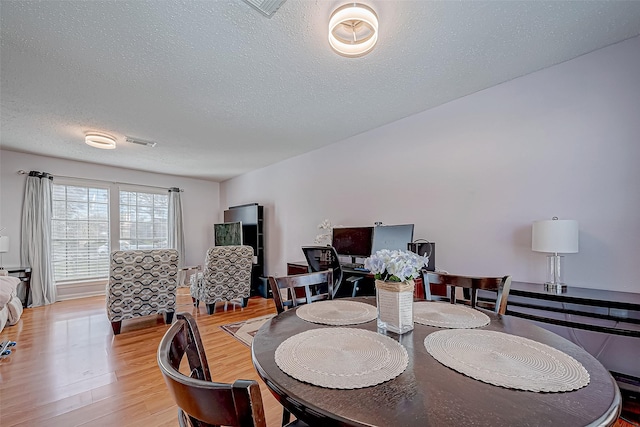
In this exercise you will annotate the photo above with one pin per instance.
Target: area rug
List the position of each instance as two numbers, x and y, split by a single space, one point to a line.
245 331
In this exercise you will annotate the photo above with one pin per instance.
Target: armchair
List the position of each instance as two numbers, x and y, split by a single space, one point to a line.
141 283
226 276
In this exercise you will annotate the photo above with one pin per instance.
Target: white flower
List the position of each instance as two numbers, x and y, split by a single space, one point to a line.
325 225
324 238
395 266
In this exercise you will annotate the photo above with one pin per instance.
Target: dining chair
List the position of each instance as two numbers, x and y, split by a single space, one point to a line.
320 258
141 283
226 276
202 402
301 289
470 287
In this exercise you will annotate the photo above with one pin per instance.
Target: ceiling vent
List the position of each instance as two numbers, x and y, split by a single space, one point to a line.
267 7
140 142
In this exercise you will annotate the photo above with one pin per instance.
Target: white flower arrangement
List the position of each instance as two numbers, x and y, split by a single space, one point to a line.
326 236
395 266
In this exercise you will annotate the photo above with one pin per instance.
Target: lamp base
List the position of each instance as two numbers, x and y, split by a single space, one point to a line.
557 288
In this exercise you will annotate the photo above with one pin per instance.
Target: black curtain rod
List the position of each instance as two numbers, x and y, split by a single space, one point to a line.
51 176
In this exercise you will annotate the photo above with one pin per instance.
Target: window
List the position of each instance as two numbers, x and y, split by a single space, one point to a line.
143 220
80 232
81 224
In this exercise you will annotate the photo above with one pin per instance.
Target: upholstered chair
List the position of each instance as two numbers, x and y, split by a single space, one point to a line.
141 283
226 276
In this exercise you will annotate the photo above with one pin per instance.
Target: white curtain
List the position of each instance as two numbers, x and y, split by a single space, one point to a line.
35 248
176 232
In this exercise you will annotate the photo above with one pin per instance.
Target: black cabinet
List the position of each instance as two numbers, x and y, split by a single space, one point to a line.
252 218
24 274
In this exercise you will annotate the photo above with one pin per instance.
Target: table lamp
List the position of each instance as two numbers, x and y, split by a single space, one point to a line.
555 236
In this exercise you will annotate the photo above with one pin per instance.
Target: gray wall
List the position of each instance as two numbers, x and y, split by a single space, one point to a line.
474 174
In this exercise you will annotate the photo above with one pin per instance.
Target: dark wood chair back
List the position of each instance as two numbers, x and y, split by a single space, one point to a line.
470 286
201 401
301 289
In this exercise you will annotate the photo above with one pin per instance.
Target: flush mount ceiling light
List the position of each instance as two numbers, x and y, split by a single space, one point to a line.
100 140
353 30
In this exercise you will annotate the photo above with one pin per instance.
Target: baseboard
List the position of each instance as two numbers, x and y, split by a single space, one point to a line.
68 291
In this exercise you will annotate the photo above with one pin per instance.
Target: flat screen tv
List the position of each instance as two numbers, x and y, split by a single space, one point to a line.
392 237
228 233
352 241
247 214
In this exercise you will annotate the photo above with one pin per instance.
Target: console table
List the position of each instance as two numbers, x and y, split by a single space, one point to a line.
596 310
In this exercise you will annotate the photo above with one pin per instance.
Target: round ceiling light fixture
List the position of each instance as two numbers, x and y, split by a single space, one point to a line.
100 140
353 30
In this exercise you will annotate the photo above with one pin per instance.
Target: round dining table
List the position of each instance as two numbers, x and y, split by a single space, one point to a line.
428 393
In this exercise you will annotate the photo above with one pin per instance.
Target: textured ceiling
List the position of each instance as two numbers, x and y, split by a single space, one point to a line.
224 90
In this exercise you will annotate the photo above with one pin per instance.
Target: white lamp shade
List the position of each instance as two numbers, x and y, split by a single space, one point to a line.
555 236
4 243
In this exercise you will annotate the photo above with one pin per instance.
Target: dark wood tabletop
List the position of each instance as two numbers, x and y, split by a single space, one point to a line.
430 394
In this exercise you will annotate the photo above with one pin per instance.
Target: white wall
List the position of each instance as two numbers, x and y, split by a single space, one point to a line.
474 173
200 199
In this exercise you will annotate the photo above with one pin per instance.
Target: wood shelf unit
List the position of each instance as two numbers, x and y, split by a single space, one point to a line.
252 217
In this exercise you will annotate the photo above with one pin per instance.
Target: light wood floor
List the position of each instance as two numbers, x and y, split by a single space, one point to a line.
68 369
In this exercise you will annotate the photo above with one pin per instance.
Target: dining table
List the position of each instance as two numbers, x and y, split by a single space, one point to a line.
428 393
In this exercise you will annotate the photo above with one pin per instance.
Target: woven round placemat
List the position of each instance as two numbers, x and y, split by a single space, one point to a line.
446 315
341 358
506 360
337 312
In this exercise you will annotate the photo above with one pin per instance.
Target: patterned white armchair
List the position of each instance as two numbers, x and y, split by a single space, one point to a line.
141 283
226 276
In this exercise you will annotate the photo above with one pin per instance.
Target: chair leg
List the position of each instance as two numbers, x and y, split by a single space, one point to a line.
286 416
168 317
211 308
355 289
116 327
196 302
245 301
183 419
